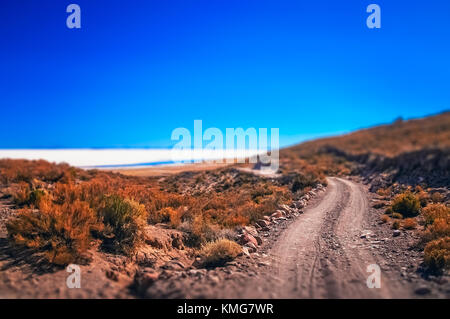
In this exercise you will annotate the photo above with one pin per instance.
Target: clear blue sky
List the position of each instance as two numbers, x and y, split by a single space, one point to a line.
138 69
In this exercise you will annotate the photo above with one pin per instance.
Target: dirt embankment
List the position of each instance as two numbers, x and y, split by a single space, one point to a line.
322 253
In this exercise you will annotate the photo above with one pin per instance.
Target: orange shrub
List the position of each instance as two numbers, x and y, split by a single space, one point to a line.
219 252
15 171
409 223
437 254
384 192
396 224
21 193
61 233
434 211
439 228
437 197
385 219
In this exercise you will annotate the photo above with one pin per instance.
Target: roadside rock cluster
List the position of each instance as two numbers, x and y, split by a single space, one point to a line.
251 237
180 278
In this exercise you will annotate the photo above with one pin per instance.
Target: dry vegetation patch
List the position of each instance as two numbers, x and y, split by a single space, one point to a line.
219 252
67 209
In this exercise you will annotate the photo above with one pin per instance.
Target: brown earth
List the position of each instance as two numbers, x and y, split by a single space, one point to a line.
321 253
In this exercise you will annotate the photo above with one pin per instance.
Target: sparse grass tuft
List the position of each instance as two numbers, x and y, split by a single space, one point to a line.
219 252
385 219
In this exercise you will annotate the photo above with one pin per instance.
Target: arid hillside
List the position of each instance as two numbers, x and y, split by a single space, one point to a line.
387 140
411 152
155 236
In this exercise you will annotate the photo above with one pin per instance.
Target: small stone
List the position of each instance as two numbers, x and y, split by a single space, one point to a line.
422 290
277 214
396 233
251 247
250 230
259 240
110 274
143 280
247 238
245 251
263 223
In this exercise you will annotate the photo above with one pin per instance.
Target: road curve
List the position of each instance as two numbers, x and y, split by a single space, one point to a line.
322 255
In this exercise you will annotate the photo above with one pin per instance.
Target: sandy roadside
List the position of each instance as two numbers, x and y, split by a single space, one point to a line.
164 170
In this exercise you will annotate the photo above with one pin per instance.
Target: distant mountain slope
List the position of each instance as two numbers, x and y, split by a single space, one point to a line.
388 140
412 152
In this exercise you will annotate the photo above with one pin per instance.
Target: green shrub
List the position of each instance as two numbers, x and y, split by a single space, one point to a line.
406 204
124 222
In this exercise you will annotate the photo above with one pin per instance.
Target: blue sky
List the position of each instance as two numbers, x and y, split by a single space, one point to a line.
136 70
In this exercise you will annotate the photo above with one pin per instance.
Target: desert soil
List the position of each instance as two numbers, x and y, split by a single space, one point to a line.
322 253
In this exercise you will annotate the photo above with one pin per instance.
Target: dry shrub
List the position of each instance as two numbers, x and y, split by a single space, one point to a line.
201 230
409 223
385 219
219 252
437 254
384 192
396 224
16 171
397 216
204 204
437 234
124 222
434 211
437 197
422 196
440 228
175 217
21 193
406 204
61 232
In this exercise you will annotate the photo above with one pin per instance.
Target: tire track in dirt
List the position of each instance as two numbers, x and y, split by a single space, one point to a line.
322 255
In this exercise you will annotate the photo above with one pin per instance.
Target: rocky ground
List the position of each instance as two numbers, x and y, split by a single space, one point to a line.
338 265
316 248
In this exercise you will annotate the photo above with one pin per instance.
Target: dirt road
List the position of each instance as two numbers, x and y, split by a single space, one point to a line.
322 254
